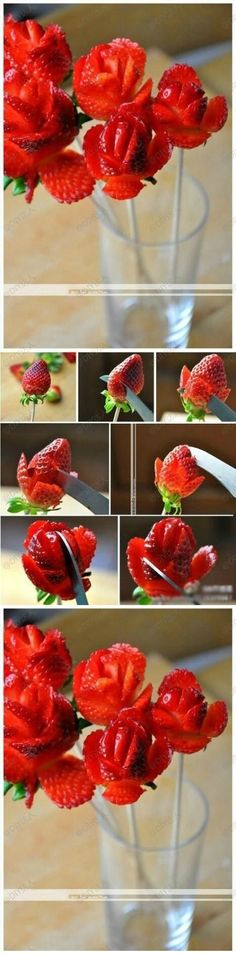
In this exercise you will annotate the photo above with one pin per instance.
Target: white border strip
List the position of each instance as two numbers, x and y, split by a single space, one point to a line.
98 894
26 289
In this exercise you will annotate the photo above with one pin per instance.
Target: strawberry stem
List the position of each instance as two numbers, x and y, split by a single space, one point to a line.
172 502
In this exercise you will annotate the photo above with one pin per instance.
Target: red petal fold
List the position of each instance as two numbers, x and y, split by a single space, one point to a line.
216 719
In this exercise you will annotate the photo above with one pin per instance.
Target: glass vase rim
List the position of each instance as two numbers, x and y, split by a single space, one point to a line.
160 245
165 848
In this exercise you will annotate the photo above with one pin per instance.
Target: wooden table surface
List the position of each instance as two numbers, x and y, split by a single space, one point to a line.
49 849
61 245
11 390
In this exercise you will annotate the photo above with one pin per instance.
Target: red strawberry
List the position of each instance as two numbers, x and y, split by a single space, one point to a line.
67 178
128 374
46 462
66 782
36 380
197 387
70 355
54 394
18 370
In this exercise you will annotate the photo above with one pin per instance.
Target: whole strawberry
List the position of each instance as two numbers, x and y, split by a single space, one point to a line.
206 380
35 382
176 476
128 374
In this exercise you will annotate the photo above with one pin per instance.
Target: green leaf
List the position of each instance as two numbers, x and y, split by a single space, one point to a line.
141 596
16 505
82 118
151 179
151 785
50 599
6 182
19 186
6 787
82 723
19 792
40 594
53 359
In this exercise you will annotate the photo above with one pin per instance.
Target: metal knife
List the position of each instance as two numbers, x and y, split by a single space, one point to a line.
144 412
222 411
74 573
171 582
85 495
222 471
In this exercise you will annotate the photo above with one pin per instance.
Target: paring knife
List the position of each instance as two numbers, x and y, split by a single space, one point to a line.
74 573
222 471
171 582
144 412
222 411
85 495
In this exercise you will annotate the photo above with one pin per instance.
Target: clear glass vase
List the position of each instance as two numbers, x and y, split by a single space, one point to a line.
138 247
141 867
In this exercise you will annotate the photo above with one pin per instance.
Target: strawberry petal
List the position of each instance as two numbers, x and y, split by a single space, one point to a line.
66 782
203 561
124 186
67 177
216 719
123 792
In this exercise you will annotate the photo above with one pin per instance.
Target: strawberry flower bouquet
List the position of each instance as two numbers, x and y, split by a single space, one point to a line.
136 127
110 740
134 731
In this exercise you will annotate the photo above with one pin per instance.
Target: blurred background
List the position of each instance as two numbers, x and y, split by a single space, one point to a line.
89 444
51 849
168 404
154 440
11 390
219 586
191 29
91 366
104 583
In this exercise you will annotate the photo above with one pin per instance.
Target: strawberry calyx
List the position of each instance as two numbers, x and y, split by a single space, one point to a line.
32 398
19 505
110 404
141 597
172 502
193 412
45 598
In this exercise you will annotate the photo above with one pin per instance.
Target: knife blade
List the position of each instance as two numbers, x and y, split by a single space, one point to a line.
222 411
74 573
144 412
82 492
171 582
222 471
